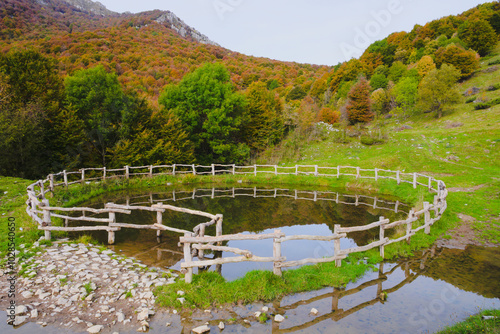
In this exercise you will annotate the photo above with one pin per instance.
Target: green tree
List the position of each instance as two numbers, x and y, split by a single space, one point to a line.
380 101
359 104
161 140
425 65
397 71
265 125
31 96
378 80
405 92
211 112
438 89
99 101
478 35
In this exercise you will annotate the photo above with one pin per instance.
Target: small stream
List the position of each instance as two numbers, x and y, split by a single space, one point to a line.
435 288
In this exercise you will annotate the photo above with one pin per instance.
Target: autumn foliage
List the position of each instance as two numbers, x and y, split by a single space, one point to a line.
359 103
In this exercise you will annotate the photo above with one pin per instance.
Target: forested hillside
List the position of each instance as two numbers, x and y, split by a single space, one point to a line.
84 89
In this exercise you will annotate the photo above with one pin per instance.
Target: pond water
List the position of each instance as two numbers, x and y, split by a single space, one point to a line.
248 211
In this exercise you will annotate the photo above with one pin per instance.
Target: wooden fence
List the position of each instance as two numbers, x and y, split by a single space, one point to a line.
196 243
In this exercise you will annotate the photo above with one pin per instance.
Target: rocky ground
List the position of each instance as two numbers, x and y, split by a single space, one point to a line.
82 287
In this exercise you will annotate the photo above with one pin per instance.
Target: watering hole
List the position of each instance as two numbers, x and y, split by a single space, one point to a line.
248 211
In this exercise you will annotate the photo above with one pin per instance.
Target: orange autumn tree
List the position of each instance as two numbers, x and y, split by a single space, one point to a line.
359 103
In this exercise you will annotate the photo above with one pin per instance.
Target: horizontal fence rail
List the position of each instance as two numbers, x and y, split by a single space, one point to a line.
195 242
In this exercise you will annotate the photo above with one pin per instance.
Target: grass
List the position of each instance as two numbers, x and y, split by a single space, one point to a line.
210 289
476 324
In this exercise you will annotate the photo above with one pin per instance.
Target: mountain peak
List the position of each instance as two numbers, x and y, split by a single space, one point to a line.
175 23
92 7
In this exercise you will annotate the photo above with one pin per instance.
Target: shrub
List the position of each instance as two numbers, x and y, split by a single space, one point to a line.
470 100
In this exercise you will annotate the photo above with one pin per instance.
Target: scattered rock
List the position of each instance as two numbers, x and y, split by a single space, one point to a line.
451 125
257 314
27 294
471 91
21 309
453 158
34 313
221 325
491 69
279 318
20 320
265 309
120 317
314 311
201 329
143 315
168 324
181 293
95 329
181 300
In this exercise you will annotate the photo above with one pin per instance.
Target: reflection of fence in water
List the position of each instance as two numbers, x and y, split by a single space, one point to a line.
357 200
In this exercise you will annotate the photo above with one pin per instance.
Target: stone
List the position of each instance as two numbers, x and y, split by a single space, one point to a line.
27 294
201 329
143 315
120 316
95 329
257 314
168 324
181 293
34 313
221 325
181 300
265 309
21 309
20 320
279 318
314 311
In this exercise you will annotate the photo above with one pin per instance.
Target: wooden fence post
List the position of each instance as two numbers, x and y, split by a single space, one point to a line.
414 180
357 173
42 188
173 170
111 233
275 169
83 175
218 228
255 169
51 182
65 178
396 207
375 203
103 173
430 183
213 169
427 217
296 170
188 278
127 172
398 177
376 174
159 220
277 254
338 172
336 245
316 170
201 233
151 171
234 169
194 169
381 236
46 219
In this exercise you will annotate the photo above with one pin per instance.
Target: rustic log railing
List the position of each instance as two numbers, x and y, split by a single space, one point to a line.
196 242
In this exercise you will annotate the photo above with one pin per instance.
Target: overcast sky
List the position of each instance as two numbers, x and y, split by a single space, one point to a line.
316 31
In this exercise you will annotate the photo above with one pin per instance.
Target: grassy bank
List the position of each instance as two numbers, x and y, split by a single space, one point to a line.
476 324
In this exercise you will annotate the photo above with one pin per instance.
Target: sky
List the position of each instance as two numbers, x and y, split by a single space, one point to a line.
323 32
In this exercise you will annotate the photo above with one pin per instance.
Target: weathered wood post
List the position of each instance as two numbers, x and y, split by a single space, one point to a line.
103 173
83 175
296 170
213 169
316 170
188 278
277 253
46 219
255 170
127 172
65 178
357 200
336 245
151 171
414 180
42 188
375 203
357 172
218 227
338 172
111 232
427 217
194 169
173 170
201 233
398 177
376 174
275 169
51 182
396 207
430 183
381 237
234 169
